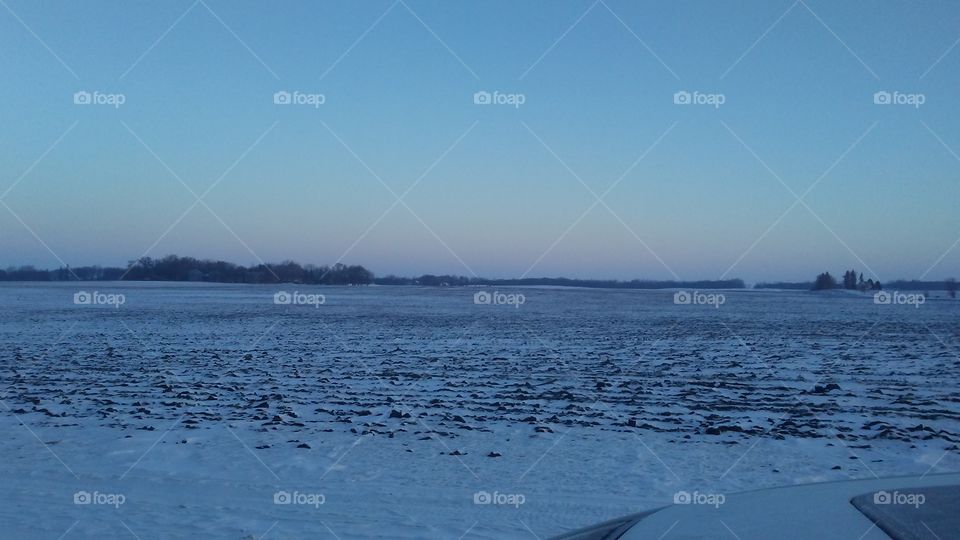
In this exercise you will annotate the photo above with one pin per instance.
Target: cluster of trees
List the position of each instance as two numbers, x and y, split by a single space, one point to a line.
462 281
174 268
851 281
826 281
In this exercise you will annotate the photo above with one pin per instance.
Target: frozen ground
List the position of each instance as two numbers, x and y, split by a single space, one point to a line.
194 405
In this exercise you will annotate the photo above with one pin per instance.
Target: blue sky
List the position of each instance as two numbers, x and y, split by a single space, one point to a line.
509 191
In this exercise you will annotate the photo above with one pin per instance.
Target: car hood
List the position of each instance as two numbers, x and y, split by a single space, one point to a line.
821 511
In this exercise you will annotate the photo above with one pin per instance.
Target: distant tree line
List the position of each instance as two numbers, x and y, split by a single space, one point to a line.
174 268
463 281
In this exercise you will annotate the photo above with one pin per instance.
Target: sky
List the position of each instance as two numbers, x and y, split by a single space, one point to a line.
652 140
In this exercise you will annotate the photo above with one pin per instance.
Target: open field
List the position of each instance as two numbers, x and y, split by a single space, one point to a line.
185 411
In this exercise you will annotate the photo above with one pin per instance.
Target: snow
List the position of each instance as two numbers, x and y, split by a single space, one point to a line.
192 402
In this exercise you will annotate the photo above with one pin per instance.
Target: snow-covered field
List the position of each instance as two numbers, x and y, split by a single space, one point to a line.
198 410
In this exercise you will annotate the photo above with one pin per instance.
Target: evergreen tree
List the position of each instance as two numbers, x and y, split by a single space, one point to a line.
824 282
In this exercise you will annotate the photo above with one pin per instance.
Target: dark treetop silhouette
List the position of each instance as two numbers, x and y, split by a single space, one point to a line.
175 268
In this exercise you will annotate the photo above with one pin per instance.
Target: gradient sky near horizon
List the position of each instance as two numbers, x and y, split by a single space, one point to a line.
695 191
